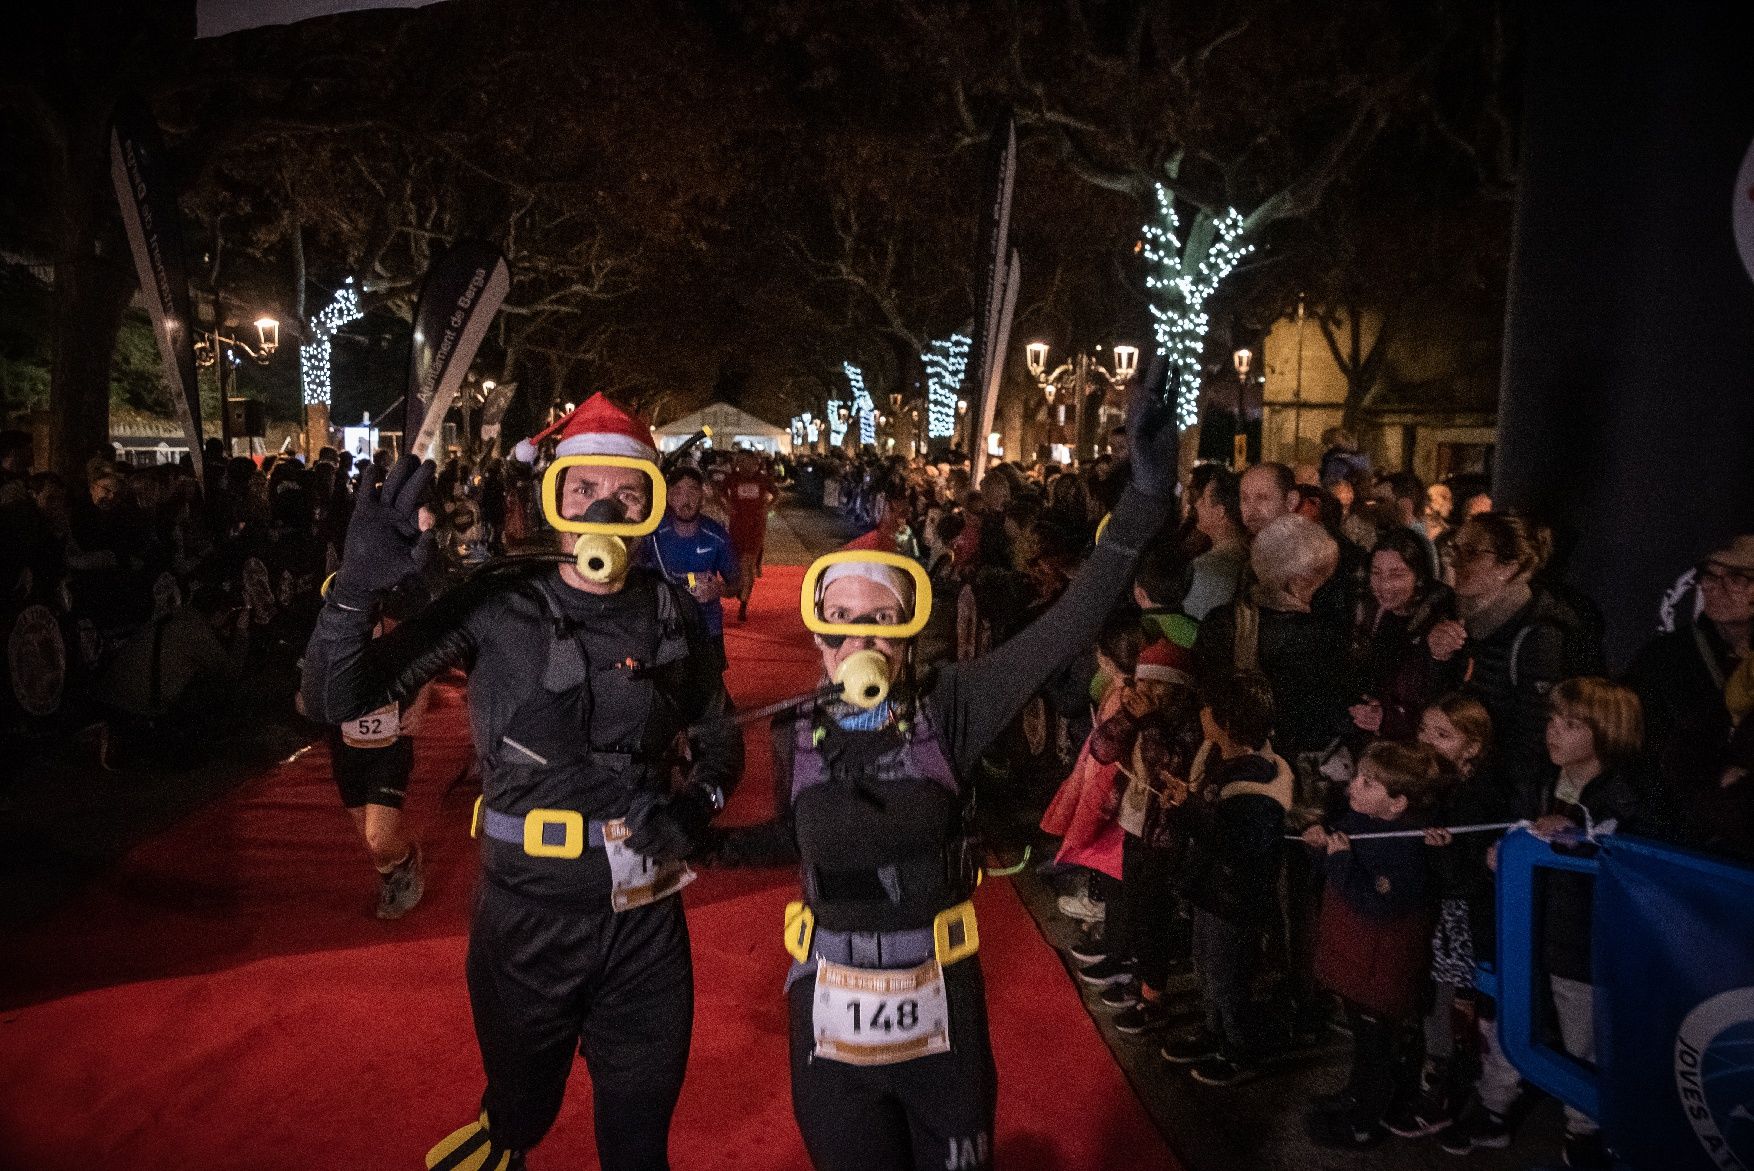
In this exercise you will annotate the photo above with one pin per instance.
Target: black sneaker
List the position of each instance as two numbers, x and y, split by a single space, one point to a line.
1478 1129
1587 1152
1108 970
1219 1070
1122 995
1142 1017
1190 1050
1342 1131
1427 1114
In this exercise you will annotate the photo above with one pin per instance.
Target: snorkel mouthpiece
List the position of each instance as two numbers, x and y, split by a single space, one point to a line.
601 558
864 679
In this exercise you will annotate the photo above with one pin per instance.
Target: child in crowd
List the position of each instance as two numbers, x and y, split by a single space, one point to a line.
1153 739
1458 729
1082 813
1595 731
1241 791
1375 930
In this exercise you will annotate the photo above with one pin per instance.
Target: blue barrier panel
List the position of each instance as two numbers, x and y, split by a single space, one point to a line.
1673 969
1522 990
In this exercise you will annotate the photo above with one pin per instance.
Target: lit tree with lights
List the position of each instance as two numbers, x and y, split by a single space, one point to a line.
945 361
862 405
313 360
1184 276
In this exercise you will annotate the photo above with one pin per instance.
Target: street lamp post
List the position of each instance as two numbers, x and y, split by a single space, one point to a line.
1240 444
211 346
1074 376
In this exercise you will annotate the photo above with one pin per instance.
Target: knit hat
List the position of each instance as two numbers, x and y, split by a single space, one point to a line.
1165 662
595 427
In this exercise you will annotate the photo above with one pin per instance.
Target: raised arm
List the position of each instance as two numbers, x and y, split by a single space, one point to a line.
974 701
346 672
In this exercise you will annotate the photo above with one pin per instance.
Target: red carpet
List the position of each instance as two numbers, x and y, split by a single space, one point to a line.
223 999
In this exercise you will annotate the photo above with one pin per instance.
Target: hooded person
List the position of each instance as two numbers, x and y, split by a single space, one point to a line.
891 1061
582 685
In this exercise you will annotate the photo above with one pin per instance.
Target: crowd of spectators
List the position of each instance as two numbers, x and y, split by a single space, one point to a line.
1315 654
166 610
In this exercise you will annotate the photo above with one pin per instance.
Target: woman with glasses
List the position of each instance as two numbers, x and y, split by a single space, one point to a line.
1510 642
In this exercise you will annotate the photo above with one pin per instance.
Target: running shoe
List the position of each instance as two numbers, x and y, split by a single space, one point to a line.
1190 1050
1477 1129
400 890
1082 906
1219 1070
1106 971
1142 1018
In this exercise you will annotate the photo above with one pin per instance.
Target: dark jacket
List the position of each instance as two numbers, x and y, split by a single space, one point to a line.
1512 669
1374 936
1236 845
1395 664
1613 802
1303 656
1679 678
1459 870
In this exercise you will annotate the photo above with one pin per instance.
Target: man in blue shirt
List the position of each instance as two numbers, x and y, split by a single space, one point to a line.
696 552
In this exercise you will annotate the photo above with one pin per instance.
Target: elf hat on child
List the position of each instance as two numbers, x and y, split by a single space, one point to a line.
595 427
1166 662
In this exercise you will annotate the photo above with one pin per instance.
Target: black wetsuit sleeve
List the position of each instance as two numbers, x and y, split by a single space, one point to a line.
715 743
974 701
773 842
348 673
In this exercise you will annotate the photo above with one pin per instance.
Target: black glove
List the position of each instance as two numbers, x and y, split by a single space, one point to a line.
669 829
384 543
1153 443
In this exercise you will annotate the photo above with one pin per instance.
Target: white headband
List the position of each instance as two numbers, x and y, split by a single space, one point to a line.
888 576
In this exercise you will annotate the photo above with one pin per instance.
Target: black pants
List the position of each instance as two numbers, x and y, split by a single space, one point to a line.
1379 1055
929 1114
618 988
1300 910
1145 923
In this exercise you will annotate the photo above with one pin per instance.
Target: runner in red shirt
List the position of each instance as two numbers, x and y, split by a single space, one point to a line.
747 492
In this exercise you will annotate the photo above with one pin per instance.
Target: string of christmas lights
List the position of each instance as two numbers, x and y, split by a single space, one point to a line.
1180 310
837 427
946 360
313 356
862 405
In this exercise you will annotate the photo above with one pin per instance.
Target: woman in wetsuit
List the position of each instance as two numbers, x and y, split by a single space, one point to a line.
892 1067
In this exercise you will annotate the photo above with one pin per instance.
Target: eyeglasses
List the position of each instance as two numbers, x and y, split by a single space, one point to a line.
1463 552
1714 573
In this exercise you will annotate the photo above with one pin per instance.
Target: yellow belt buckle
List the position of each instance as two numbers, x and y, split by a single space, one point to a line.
476 818
572 823
800 930
953 921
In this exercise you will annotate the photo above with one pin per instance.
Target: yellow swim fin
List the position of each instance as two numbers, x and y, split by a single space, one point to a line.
469 1149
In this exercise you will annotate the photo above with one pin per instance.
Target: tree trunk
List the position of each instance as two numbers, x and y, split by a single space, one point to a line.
91 294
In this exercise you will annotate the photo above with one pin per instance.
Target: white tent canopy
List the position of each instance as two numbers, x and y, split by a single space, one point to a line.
732 428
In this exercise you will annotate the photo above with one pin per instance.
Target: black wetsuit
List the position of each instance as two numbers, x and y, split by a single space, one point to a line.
878 820
575 703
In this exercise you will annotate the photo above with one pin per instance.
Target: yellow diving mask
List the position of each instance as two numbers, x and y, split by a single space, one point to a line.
860 593
601 552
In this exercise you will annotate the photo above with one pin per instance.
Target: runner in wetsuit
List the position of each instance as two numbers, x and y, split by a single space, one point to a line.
579 690
891 1063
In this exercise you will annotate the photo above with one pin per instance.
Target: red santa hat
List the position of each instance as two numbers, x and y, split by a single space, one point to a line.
595 427
1166 662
